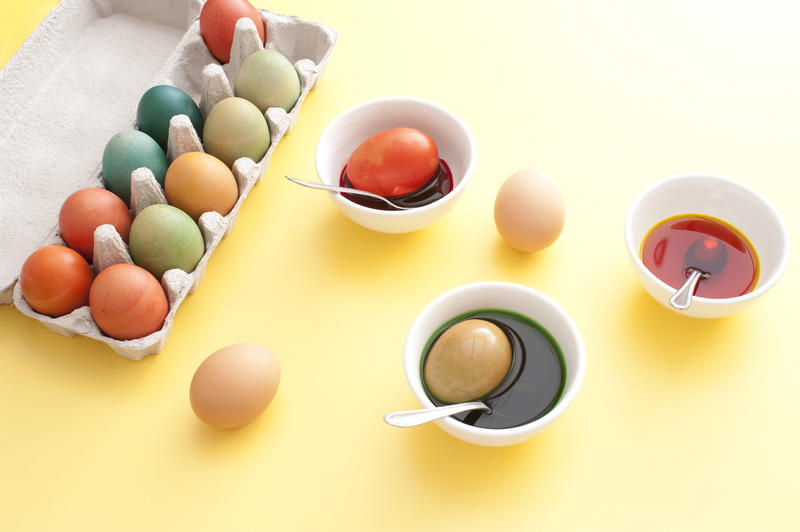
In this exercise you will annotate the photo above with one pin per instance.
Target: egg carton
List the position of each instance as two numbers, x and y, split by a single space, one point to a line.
76 82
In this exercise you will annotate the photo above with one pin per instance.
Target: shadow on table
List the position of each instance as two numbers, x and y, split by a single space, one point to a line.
654 334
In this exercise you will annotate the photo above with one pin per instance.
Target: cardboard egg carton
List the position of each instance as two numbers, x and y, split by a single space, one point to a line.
76 82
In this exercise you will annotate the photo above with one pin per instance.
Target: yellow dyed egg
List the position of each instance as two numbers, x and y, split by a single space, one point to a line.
197 182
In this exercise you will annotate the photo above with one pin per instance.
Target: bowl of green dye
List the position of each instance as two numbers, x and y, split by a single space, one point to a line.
547 369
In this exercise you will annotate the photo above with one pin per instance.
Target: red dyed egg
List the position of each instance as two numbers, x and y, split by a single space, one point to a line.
393 162
218 22
127 302
86 210
55 280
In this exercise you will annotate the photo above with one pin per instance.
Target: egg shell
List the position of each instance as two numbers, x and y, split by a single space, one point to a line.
55 280
234 385
87 209
127 302
124 153
158 105
529 210
235 128
467 361
393 162
164 237
268 79
198 182
218 22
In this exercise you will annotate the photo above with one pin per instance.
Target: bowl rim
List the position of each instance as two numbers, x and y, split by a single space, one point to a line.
347 113
568 395
633 248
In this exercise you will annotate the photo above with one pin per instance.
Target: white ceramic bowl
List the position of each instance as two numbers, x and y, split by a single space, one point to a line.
504 296
354 126
720 197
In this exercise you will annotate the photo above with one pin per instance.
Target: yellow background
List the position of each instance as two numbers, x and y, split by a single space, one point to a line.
680 425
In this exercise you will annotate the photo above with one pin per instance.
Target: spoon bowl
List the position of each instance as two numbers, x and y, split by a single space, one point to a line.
706 257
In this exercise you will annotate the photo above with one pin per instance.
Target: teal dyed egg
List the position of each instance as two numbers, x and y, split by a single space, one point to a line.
268 79
124 153
163 237
158 105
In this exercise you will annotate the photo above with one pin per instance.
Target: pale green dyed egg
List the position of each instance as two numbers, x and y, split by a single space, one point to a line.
163 237
268 79
235 128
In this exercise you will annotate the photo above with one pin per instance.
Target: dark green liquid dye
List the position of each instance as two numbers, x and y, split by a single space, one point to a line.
533 384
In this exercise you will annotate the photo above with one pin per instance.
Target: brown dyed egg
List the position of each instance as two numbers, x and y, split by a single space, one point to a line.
234 385
197 182
467 361
529 211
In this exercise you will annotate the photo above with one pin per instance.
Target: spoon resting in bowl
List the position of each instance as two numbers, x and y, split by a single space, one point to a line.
345 190
412 418
706 257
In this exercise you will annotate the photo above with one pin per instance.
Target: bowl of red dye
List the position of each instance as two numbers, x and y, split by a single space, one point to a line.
712 223
414 152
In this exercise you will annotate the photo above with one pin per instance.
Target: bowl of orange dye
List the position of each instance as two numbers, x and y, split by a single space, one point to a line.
702 216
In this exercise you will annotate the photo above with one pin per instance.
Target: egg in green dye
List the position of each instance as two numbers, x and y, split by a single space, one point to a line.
163 237
268 79
158 105
124 153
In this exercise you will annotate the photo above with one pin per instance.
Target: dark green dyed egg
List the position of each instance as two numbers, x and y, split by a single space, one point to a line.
124 153
158 105
164 237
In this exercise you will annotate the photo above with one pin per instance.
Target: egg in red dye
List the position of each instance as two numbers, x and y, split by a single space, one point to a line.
393 162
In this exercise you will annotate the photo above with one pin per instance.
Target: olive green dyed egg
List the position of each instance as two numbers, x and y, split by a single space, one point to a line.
268 79
124 153
158 105
163 237
235 128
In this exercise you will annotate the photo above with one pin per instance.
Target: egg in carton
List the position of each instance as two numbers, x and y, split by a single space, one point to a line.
192 68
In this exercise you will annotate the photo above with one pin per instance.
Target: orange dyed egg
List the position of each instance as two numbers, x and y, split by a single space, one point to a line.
127 302
87 209
197 182
55 280
218 22
393 162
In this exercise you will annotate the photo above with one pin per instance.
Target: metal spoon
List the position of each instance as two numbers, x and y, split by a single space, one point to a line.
322 186
699 267
412 418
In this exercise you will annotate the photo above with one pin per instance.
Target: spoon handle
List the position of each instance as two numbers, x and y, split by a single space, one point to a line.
412 418
343 190
682 298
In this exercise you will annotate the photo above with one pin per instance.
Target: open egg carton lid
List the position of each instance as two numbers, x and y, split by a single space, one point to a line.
76 81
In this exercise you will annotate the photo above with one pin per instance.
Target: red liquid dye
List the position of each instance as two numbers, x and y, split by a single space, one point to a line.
439 185
664 253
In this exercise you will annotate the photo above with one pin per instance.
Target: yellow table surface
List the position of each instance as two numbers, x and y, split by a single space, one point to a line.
680 424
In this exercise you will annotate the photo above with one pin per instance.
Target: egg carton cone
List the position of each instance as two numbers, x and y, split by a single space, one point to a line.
76 81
